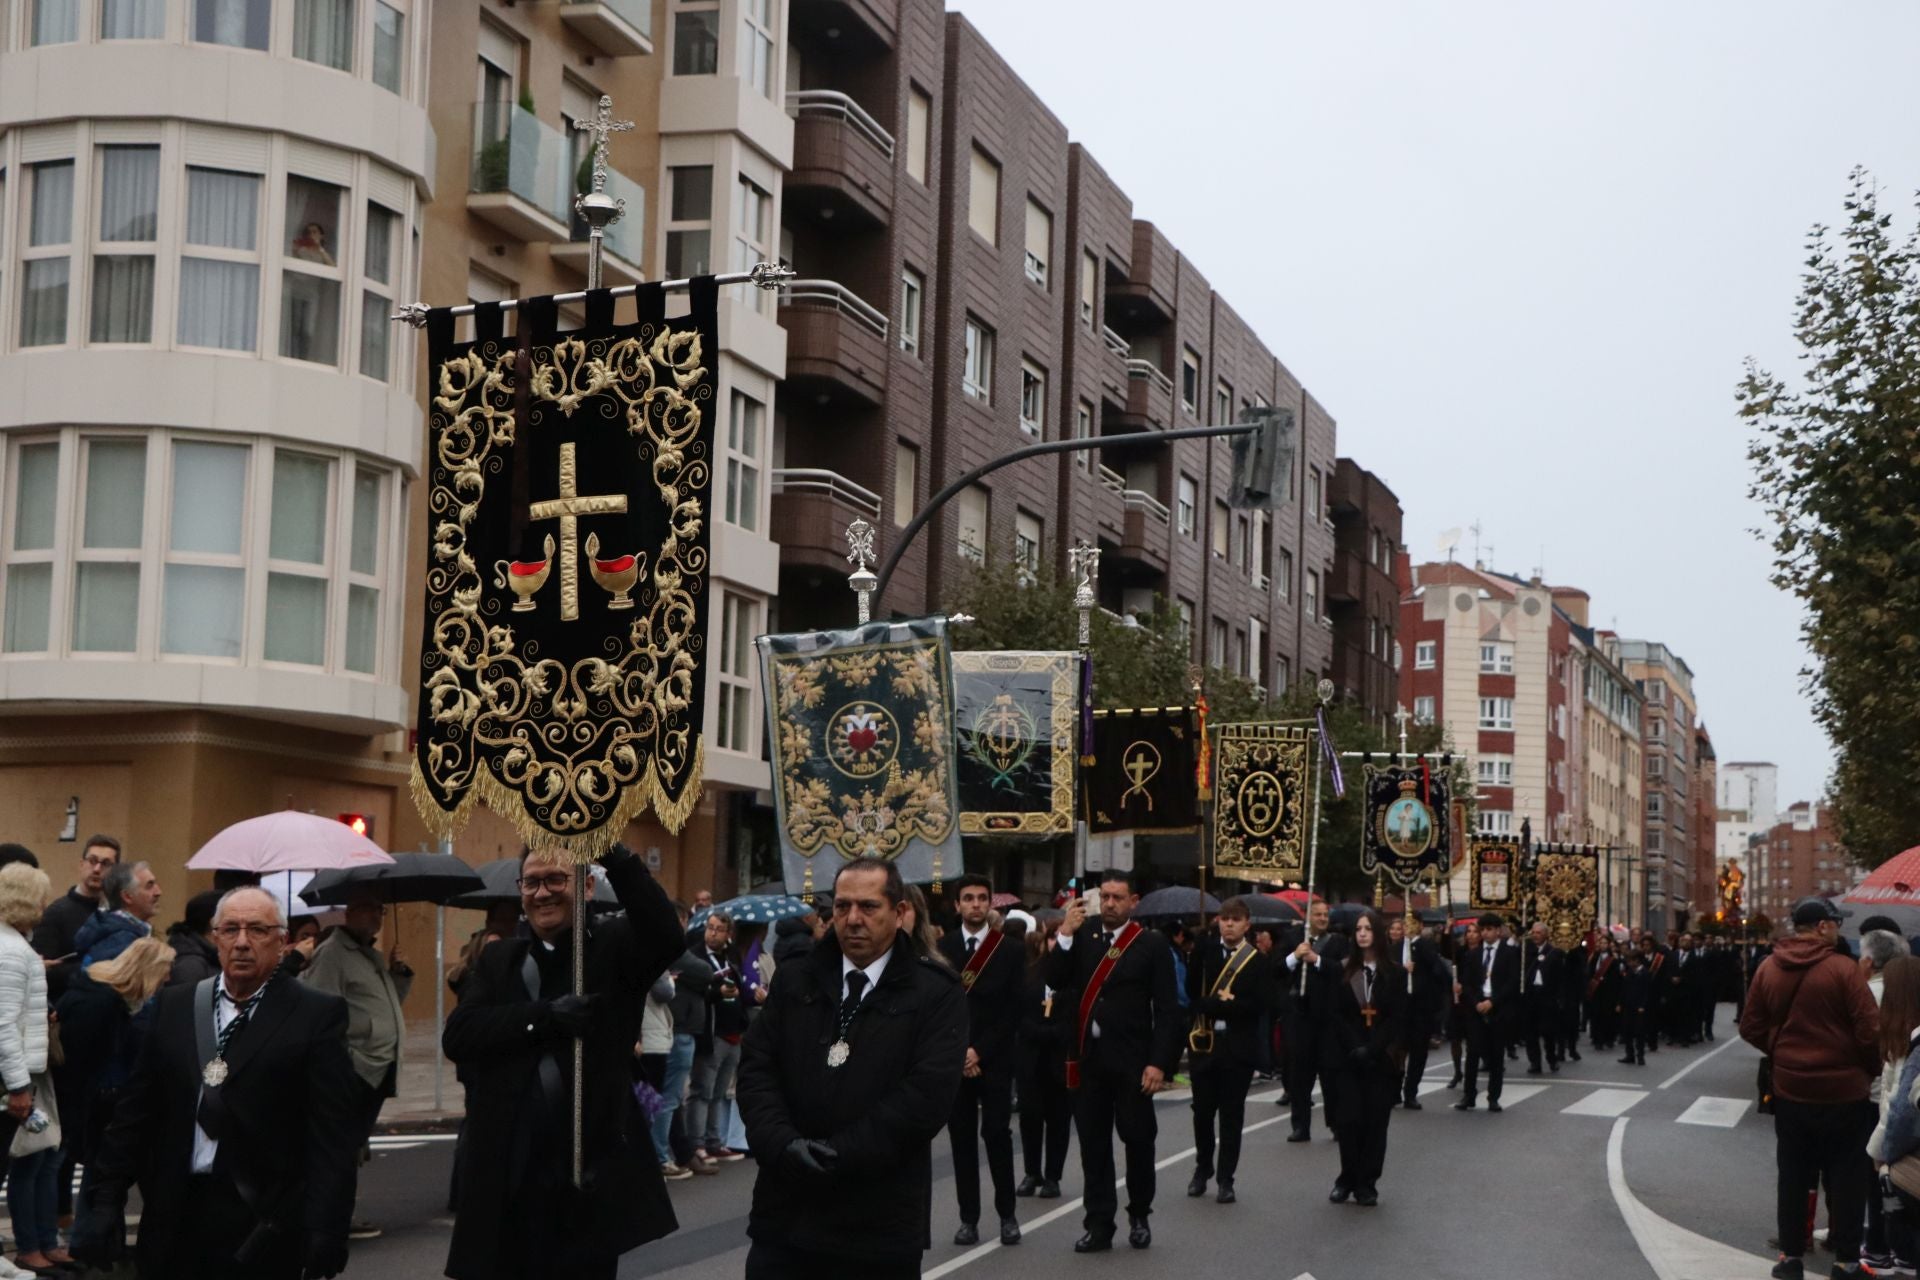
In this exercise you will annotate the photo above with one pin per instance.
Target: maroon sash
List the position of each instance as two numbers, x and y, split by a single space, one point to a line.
1593 987
1121 941
981 954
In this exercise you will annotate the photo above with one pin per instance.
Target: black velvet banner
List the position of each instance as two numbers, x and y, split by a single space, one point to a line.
569 497
1495 865
1014 717
1260 806
1407 836
1142 777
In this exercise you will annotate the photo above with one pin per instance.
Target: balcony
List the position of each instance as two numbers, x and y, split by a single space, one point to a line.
1346 580
836 342
1144 298
625 240
1145 523
842 160
617 28
863 28
811 511
521 181
1149 404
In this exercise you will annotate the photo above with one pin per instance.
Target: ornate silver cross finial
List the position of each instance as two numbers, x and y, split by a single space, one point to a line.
600 128
860 556
1402 715
1083 561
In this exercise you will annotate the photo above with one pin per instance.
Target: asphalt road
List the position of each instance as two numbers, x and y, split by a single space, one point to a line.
1662 1171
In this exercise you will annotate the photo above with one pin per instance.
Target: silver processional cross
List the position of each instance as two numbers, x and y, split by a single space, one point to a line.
598 208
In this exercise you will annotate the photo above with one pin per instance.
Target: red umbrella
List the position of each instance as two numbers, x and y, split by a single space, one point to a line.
1298 898
1001 901
1894 883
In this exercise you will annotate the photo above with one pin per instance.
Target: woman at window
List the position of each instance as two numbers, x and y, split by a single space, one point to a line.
311 245
1367 1022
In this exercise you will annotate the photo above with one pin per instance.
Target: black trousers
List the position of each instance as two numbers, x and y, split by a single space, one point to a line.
1219 1090
1046 1118
1570 1011
1363 1103
1486 1047
983 1113
1109 1100
777 1262
1417 1039
1543 1025
1602 1022
1815 1141
1303 1064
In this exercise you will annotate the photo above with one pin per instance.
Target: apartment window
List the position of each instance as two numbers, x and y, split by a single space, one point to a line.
364 555
1217 643
323 32
1039 242
47 266
1262 548
1186 503
752 223
132 19
1495 822
976 374
1656 766
1425 653
1222 405
1185 608
756 53
1026 543
1190 379
1496 658
1083 430
906 480
1089 287
1495 771
1374 554
242 24
389 47
739 623
983 197
1286 574
919 132
689 221
1373 637
1496 713
220 271
696 40
1221 524
972 537
743 460
1033 399
1316 504
1396 652
204 583
1656 804
1657 692
383 233
1423 710
296 619
106 587
1242 542
1257 648
56 21
129 208
1656 728
913 289
1283 673
36 491
1313 593
310 276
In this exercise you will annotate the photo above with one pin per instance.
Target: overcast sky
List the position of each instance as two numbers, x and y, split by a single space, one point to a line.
1519 250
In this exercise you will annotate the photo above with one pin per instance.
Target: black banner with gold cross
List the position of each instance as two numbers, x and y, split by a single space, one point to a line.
569 499
1014 716
1260 809
1407 837
1142 777
1494 868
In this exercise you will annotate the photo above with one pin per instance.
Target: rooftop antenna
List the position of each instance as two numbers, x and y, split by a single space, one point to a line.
1474 529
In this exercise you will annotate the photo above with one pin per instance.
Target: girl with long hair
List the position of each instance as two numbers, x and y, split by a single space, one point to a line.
1366 1022
1896 1139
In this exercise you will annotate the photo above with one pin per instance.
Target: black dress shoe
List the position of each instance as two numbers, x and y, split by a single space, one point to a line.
1339 1194
967 1234
1534 1071
1455 1082
1299 1135
1198 1187
1225 1194
1554 1067
1028 1185
1413 1104
1140 1235
1465 1104
1366 1199
1494 1107
1574 1054
1009 1231
1050 1189
1094 1242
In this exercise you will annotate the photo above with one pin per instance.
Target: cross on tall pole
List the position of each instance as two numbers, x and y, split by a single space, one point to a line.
598 208
1402 715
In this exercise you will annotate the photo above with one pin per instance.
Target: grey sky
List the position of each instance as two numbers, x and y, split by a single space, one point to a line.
1519 250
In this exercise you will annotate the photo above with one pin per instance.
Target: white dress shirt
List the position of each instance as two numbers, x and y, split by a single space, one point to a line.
873 972
1487 952
971 941
224 1011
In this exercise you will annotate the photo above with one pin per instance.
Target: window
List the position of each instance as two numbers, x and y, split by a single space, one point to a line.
56 21
1286 574
36 491
689 221
913 288
1262 549
1185 607
906 481
1217 643
1283 673
1242 542
1656 803
1423 710
323 32
364 556
919 131
752 231
1495 771
310 276
220 271
976 374
1424 655
696 40
1083 430
1186 503
1496 658
383 230
1219 533
46 266
1222 405
756 52
1089 287
1656 766
1496 713
743 461
239 23
973 524
122 308
1257 647
389 47
1033 399
1374 553
983 197
1190 380
1313 593
1316 505
133 19
204 582
739 622
1026 544
1495 822
106 588
296 621
1039 242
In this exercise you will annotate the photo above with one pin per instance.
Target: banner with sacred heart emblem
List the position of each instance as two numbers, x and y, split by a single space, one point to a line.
1495 862
1260 810
568 495
1143 777
862 741
1566 891
1014 720
1406 835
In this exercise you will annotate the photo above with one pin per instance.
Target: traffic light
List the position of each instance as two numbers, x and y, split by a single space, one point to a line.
362 825
1263 459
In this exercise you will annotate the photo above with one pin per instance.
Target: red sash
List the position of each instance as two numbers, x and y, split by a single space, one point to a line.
981 954
1121 941
1599 973
1658 958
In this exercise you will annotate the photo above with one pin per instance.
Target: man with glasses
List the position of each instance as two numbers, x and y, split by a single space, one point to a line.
53 938
716 1053
514 1036
239 1122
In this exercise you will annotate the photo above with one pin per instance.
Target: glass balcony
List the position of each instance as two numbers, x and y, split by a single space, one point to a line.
617 28
625 240
521 180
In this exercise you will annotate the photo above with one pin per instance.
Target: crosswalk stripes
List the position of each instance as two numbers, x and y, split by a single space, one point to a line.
1605 1102
1718 1113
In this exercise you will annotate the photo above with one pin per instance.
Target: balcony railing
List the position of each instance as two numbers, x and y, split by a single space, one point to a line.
1141 500
516 155
1113 480
1115 343
833 104
626 238
1151 372
828 484
832 295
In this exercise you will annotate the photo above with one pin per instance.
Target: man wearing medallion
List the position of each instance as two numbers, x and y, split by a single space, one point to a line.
994 976
1230 988
240 1122
845 1077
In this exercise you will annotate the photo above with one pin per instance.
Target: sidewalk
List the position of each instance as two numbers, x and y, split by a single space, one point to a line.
412 1109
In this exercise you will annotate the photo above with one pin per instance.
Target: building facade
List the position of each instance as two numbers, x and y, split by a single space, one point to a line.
1668 719
1747 797
1362 591
1800 856
1607 799
1703 826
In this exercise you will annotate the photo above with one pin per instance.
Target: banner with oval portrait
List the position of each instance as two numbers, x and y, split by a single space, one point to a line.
1260 808
1407 837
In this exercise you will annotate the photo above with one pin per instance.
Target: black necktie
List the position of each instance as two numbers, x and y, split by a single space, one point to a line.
972 945
1486 960
856 983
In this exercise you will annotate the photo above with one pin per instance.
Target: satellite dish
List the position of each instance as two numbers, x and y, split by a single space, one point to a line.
1450 541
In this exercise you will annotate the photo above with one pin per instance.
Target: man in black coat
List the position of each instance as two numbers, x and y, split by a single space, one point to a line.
1120 984
1312 964
1542 977
1229 989
1426 1004
514 1035
1573 997
239 1124
1602 993
992 970
845 1077
1489 979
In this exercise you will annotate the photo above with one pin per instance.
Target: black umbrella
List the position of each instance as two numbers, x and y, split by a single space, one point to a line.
499 882
410 877
1266 909
1346 914
1173 902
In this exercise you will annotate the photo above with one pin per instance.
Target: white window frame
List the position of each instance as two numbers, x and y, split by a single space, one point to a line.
976 508
1494 822
1036 263
671 226
342 247
913 296
255 258
919 132
98 246
1423 709
79 191
50 555
983 202
1286 573
746 448
976 371
1220 532
1089 288
82 554
1190 385
1496 713
377 295
1312 602
1496 657
323 572
1083 430
759 68
733 674
1186 504
1426 654
1028 532
1033 400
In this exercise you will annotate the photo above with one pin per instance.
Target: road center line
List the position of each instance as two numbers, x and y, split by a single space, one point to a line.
1705 1057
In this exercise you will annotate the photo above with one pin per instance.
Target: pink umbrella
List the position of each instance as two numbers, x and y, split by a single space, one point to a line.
287 841
1894 883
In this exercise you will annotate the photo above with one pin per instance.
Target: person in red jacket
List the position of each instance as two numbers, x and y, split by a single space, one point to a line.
1811 1011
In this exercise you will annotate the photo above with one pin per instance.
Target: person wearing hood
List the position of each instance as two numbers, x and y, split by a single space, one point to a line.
793 938
1810 1011
194 955
132 894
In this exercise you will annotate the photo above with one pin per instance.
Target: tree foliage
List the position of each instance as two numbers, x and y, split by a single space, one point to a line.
1837 469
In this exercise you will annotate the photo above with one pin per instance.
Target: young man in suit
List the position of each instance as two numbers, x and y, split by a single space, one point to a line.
1310 966
1119 982
1489 979
992 969
1426 1005
1541 977
1229 989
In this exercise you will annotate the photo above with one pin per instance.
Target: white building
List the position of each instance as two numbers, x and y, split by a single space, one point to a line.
1748 805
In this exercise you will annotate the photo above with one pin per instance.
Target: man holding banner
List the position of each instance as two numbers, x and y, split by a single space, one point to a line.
993 973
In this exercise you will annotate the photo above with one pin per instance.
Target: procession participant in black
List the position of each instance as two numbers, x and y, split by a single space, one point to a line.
845 1078
1542 976
1489 977
1461 1012
1125 1042
1228 989
1046 1108
1603 994
513 1034
1366 1025
993 972
1659 962
1427 1003
1634 996
1573 997
1316 951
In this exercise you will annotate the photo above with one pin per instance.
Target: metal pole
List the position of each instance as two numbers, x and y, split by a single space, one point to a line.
1325 691
860 556
764 275
1083 561
439 1003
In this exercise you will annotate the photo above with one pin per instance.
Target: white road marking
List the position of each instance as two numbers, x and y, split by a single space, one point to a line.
1674 1079
1672 1251
377 1139
383 1147
1518 1093
1605 1102
1718 1113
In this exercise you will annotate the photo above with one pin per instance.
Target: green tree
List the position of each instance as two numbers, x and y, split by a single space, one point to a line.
1837 469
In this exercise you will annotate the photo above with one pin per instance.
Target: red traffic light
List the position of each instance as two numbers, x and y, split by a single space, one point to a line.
362 825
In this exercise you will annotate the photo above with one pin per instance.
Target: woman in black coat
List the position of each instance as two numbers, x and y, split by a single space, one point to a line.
1366 1028
1046 1108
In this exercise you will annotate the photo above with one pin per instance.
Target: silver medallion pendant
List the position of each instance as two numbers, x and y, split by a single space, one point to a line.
214 1074
837 1054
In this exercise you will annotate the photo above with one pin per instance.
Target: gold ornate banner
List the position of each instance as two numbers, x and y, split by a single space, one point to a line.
1566 892
1260 809
1494 863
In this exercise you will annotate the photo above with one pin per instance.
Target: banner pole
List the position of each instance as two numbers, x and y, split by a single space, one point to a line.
1325 691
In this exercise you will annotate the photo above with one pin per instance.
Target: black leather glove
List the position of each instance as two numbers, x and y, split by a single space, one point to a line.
809 1155
326 1257
571 1015
616 852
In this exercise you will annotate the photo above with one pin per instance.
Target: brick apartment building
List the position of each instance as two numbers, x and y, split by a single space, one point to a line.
1361 589
1669 717
1799 856
1703 828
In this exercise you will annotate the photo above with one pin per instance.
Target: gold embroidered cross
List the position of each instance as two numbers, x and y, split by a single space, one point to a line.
1367 1012
567 509
1144 764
